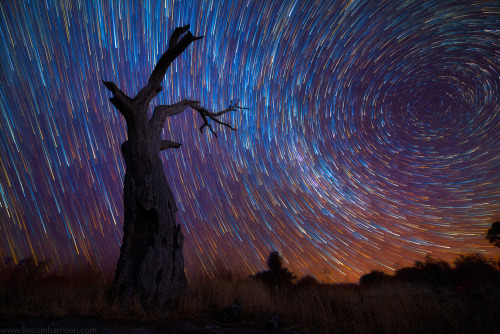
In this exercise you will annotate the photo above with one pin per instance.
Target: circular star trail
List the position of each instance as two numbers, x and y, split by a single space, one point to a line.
371 137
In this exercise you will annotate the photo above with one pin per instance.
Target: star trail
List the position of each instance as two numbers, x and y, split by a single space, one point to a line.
371 135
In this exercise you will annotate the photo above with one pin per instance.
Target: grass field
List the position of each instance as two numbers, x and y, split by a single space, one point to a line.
384 308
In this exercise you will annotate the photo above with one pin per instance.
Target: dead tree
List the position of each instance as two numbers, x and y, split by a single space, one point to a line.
151 263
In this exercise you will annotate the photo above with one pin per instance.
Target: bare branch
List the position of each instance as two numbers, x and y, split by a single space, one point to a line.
166 144
169 56
161 112
120 100
204 113
176 47
176 34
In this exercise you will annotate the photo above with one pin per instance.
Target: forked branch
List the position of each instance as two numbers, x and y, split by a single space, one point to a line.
161 113
120 100
205 114
175 48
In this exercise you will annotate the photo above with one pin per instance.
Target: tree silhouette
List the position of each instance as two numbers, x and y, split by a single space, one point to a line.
277 275
151 263
493 234
474 264
375 277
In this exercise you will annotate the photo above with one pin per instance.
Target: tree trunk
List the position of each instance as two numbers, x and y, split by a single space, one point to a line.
151 263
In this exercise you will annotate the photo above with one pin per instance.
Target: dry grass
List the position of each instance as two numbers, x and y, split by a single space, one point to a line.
396 308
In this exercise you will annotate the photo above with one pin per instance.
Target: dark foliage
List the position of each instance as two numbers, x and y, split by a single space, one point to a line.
275 262
277 275
431 271
472 271
493 234
307 282
375 277
26 272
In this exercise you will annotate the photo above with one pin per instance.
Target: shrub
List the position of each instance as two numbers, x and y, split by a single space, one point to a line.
307 282
375 277
474 269
277 275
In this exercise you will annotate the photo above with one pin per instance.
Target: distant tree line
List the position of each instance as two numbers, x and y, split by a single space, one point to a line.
466 272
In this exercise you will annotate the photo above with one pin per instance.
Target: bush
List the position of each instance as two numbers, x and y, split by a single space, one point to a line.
277 275
474 269
26 272
307 282
375 277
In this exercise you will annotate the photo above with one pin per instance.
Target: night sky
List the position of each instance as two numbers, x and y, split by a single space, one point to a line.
372 134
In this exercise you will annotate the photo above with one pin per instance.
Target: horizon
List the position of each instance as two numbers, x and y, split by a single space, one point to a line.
369 141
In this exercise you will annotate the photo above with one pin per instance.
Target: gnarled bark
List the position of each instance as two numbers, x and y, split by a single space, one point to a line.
151 263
